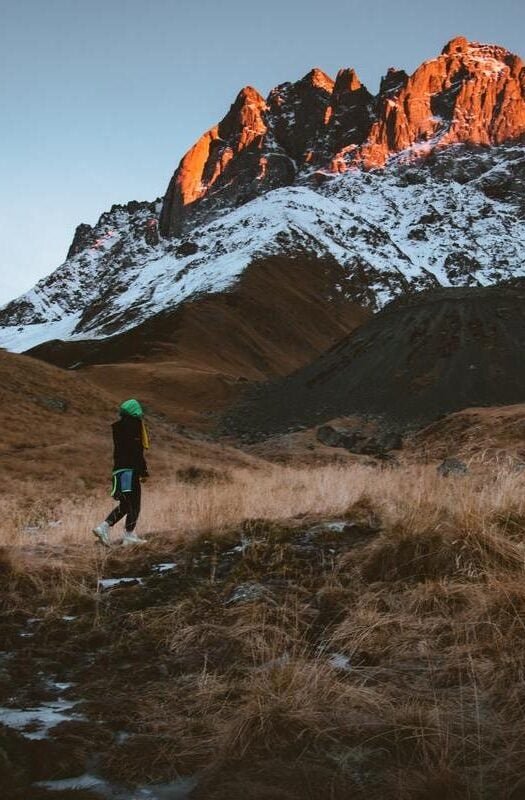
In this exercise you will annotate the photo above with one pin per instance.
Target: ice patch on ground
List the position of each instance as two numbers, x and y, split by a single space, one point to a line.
42 718
164 567
175 790
340 661
109 583
337 526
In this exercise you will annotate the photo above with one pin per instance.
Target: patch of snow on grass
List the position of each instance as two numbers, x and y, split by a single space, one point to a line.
42 718
110 583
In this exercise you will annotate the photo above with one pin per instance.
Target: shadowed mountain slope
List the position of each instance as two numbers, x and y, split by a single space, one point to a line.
418 359
193 361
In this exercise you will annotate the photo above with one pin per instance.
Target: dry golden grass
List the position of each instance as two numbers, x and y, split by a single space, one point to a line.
410 497
481 434
386 666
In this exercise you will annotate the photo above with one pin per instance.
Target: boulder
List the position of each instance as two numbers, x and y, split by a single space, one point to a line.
247 593
356 441
151 233
187 249
337 437
452 466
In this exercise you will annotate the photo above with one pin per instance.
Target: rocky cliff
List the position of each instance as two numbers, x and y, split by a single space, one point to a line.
470 94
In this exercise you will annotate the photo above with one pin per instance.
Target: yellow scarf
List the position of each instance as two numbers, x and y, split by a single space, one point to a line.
145 437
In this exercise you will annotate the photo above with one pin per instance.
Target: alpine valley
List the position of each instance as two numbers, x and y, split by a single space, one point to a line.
324 318
294 219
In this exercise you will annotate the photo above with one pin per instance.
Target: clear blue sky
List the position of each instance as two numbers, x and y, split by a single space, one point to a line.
100 98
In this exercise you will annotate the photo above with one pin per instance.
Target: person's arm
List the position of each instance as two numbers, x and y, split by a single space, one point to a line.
117 444
139 462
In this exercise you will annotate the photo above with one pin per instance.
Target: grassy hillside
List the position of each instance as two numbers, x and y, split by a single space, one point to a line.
56 447
327 626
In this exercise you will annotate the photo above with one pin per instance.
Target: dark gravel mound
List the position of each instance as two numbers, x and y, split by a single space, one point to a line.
423 356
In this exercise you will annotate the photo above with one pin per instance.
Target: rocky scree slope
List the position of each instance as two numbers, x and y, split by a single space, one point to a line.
418 359
420 186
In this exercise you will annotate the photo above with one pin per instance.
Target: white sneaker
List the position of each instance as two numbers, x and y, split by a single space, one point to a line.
102 533
130 537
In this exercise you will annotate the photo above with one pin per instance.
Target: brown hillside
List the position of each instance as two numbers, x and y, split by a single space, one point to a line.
478 434
54 428
56 437
191 362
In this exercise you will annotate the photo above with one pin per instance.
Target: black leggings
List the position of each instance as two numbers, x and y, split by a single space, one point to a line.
129 507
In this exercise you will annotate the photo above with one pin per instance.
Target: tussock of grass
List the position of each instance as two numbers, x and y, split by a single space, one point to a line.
441 550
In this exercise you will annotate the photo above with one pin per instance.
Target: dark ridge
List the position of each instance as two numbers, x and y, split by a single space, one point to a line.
423 356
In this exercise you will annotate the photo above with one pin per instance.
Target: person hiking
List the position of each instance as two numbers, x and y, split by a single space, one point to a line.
130 439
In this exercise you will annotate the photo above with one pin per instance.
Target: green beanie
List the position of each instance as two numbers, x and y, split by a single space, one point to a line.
131 408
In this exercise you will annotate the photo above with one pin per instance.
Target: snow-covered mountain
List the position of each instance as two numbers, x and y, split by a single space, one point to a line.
443 205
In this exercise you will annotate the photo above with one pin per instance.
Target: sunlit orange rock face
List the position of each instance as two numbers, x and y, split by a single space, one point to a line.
236 140
471 93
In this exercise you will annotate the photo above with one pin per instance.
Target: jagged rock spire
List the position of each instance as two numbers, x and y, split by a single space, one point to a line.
471 93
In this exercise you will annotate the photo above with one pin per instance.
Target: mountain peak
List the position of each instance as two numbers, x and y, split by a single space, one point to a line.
459 44
318 80
394 80
477 52
249 95
347 80
472 93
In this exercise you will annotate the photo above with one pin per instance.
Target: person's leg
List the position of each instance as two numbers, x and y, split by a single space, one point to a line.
130 537
102 531
133 507
119 511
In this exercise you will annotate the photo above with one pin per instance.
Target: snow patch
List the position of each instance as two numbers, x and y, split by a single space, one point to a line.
42 718
110 583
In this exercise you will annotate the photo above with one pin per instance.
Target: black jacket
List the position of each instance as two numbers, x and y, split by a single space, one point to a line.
128 452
